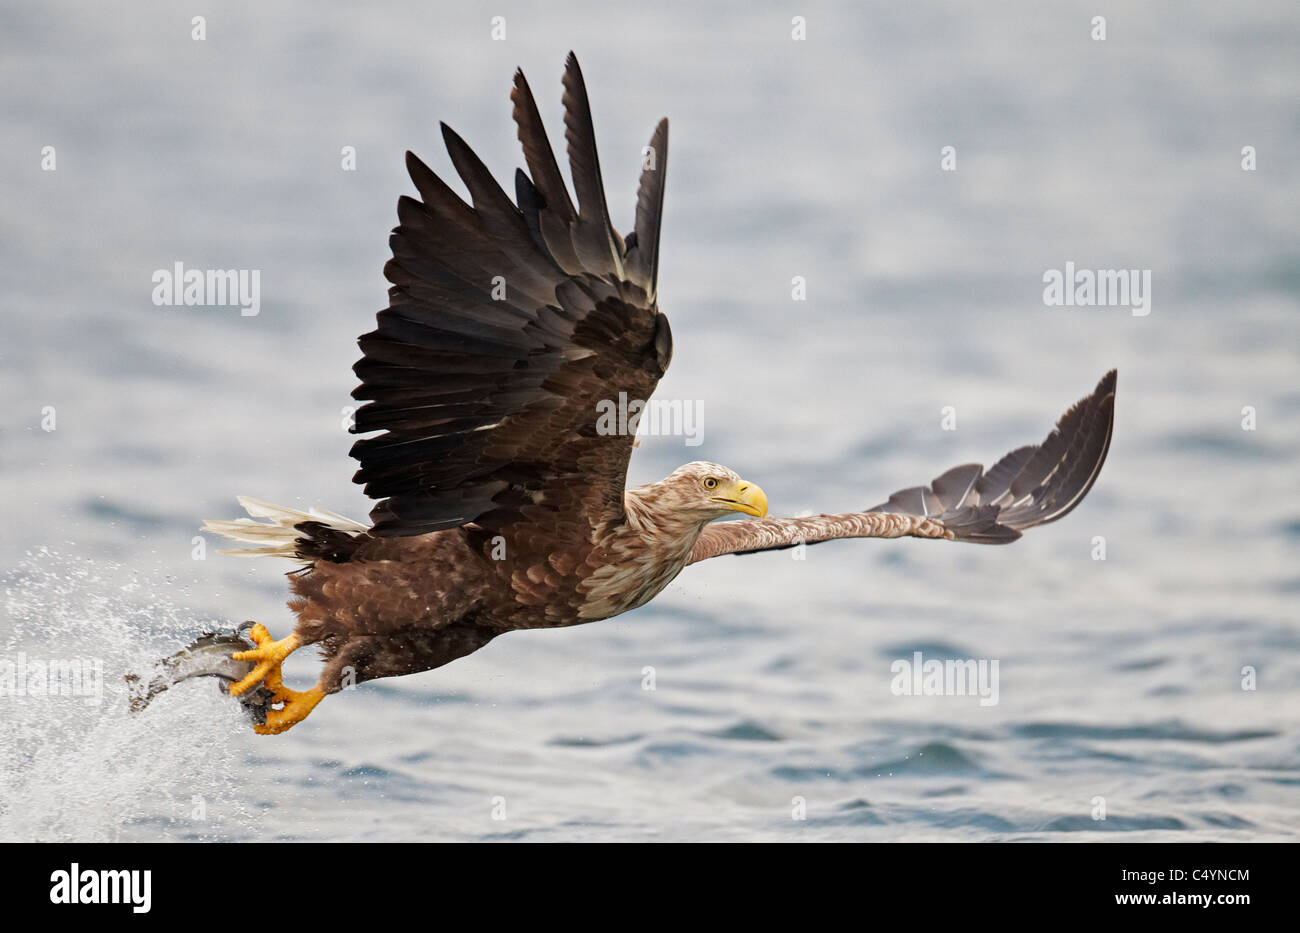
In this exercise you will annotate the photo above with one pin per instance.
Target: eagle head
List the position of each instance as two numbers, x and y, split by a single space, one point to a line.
709 491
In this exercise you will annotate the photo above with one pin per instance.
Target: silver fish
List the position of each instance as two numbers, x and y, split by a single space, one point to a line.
209 655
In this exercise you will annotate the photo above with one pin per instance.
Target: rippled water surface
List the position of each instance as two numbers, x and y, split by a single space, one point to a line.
1121 680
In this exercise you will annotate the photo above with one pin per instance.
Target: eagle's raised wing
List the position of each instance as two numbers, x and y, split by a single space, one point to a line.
1030 486
507 324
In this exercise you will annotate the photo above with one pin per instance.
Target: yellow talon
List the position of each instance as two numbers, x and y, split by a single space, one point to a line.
297 705
269 655
294 705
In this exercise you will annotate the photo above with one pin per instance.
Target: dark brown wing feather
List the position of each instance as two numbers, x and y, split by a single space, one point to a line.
642 264
487 402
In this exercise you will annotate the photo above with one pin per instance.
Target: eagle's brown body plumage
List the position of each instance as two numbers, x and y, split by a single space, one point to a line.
501 492
403 605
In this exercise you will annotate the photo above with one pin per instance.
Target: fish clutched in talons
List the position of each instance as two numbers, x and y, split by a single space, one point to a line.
212 654
290 707
247 662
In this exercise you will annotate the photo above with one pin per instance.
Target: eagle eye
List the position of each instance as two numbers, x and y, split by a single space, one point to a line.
710 482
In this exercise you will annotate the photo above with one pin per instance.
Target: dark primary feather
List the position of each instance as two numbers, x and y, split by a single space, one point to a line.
643 242
486 403
599 247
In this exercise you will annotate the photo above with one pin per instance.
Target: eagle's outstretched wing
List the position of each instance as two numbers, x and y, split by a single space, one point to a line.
1030 486
507 324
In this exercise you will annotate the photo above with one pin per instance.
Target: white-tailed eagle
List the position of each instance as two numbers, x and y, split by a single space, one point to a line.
501 503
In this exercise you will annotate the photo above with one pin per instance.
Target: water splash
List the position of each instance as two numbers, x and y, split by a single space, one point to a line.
74 764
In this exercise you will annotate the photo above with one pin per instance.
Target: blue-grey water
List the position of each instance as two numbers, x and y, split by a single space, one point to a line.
1159 687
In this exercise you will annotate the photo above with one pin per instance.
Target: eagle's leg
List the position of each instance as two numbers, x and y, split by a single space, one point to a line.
269 655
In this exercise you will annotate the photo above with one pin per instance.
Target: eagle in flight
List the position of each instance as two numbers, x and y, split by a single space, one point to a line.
501 496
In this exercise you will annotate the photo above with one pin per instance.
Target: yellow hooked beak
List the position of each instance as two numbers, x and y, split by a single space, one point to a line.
743 497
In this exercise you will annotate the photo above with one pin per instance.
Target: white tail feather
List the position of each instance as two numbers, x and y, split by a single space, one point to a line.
276 537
